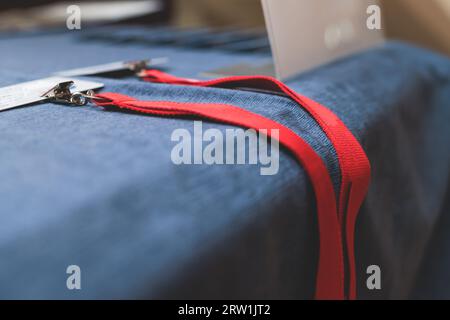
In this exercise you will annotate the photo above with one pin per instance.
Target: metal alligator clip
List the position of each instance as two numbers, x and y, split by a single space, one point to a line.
137 66
61 93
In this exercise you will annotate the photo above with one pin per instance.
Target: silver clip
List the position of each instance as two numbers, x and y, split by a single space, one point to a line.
137 66
61 93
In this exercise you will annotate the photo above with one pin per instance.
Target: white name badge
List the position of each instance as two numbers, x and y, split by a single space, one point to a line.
33 91
133 66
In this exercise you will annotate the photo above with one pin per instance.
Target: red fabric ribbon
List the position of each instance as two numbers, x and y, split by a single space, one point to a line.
336 219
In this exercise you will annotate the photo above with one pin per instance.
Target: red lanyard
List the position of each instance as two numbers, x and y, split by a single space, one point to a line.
355 168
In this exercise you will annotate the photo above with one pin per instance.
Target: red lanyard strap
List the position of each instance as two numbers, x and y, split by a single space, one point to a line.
353 162
329 282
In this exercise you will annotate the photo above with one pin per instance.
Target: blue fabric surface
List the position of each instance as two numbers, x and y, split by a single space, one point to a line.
98 189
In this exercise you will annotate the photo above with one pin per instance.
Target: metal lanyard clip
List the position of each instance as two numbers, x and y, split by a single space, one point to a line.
61 93
137 66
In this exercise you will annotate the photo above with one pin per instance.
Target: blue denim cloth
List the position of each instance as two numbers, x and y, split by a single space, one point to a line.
94 188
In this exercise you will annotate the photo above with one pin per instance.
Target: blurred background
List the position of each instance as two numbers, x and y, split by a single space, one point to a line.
426 23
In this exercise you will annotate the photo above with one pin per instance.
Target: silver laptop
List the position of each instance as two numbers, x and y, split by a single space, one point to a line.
305 34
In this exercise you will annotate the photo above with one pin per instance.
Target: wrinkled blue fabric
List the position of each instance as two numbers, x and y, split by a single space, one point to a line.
94 188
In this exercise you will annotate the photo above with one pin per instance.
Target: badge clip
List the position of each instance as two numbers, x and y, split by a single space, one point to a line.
61 93
137 66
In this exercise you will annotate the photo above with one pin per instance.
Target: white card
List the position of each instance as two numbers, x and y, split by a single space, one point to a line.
31 92
112 67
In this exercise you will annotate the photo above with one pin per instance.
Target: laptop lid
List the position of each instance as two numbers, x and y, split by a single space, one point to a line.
307 33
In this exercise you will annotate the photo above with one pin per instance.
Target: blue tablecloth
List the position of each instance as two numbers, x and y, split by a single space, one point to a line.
97 189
